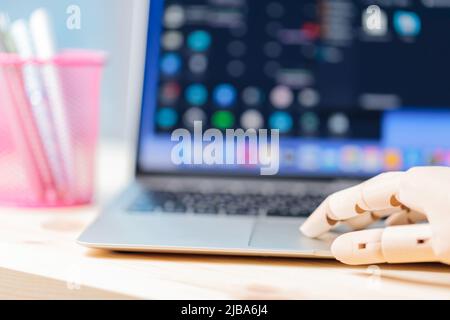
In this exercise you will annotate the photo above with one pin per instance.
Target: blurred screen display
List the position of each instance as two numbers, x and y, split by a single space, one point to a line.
355 87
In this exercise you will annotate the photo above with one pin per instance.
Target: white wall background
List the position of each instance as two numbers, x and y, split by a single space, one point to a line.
105 25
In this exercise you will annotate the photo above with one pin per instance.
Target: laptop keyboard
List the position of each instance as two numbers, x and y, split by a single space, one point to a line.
226 203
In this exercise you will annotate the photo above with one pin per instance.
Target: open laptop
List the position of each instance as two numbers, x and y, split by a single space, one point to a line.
353 89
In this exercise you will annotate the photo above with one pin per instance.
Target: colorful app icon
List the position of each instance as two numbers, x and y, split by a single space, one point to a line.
170 64
309 98
224 95
192 115
252 96
339 124
281 97
252 119
198 63
372 160
310 123
223 120
282 121
351 159
309 157
413 158
174 17
329 159
312 31
166 118
170 92
438 158
172 40
393 160
196 94
407 24
199 41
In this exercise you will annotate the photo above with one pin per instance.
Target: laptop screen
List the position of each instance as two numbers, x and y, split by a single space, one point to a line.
353 88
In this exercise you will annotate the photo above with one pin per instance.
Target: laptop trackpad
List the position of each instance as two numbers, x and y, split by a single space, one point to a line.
191 231
284 235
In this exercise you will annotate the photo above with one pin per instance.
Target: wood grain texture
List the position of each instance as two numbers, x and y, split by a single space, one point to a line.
24 286
40 259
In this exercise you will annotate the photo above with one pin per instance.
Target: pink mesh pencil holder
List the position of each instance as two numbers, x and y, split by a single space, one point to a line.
49 115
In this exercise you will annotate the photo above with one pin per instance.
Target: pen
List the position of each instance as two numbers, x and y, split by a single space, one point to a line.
20 121
44 44
6 43
36 94
2 46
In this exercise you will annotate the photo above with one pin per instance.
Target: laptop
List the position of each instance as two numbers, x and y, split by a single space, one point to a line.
346 90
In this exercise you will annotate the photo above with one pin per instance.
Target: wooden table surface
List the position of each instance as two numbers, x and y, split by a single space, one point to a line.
39 259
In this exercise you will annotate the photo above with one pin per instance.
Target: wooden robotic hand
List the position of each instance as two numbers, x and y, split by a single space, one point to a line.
421 194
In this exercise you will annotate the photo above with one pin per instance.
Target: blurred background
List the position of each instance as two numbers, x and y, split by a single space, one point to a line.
105 25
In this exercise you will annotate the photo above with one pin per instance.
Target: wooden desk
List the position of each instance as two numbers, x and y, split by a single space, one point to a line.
40 259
